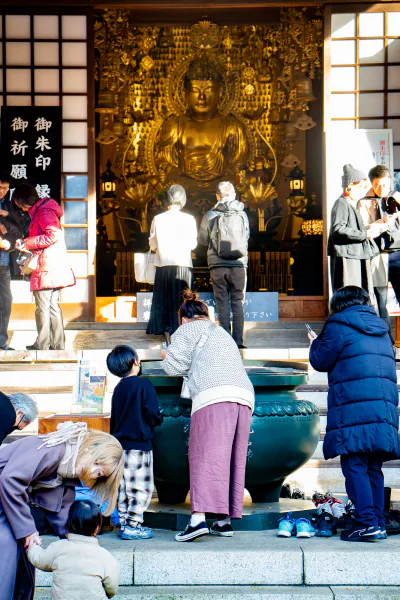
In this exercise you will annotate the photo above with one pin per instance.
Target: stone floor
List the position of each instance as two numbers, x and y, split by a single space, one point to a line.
312 567
92 336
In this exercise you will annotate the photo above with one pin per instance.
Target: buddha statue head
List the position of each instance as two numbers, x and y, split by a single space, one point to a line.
203 88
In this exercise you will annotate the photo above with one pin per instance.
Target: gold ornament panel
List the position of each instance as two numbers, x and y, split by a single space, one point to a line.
265 74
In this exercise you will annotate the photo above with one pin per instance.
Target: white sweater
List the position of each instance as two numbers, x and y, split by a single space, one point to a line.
82 569
173 236
218 374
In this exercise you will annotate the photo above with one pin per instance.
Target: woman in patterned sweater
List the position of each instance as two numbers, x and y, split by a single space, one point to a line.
222 404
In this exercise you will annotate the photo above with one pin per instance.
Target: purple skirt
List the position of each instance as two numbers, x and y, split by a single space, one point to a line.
218 444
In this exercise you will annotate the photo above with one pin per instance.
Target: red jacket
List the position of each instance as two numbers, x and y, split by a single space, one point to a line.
46 235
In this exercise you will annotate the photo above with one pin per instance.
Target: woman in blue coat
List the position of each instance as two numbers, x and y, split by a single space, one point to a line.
355 348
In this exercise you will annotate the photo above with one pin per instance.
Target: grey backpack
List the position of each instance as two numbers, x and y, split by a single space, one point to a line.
230 235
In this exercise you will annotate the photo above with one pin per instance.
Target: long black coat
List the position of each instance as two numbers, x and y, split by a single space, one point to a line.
354 347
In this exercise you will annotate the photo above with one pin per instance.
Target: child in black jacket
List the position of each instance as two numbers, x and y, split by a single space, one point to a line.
134 414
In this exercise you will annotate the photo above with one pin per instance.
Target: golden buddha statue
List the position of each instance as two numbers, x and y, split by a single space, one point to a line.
203 146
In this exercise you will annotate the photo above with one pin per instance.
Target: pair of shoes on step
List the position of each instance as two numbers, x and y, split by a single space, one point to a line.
302 528
324 523
139 532
193 532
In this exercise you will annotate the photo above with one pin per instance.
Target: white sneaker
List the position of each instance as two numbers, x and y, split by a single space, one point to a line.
324 507
338 510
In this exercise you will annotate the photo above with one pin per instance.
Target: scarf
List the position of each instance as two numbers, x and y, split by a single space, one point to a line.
72 435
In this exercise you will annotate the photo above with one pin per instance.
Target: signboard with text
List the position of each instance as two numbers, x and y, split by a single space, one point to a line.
258 306
31 147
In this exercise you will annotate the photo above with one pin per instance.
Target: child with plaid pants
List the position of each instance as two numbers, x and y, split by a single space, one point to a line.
134 415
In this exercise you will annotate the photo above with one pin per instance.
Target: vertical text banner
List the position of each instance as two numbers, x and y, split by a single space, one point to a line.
31 147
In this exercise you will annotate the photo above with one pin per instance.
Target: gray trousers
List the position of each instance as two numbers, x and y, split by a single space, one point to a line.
49 320
229 285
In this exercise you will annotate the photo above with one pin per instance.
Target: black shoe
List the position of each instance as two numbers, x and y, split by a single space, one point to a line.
33 347
191 533
361 533
241 347
6 347
223 531
392 527
325 525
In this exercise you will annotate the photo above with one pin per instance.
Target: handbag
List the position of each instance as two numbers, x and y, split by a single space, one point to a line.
391 240
145 269
185 392
28 263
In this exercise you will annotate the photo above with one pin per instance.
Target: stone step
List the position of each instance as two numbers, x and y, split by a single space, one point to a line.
248 593
250 559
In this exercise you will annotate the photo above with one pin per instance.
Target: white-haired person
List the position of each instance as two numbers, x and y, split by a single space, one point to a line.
225 231
173 236
16 412
45 470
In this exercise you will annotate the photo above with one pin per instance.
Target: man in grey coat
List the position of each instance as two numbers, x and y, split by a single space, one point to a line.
225 231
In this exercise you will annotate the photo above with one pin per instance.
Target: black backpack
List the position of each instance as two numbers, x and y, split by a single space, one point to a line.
230 235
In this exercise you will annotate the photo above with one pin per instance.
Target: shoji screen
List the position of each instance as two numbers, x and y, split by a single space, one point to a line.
365 73
45 61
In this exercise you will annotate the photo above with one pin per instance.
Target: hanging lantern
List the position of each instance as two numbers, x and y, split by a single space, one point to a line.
108 182
106 102
304 91
119 129
296 182
290 132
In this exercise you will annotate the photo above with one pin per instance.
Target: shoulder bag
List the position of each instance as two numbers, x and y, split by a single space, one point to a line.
144 267
28 262
185 392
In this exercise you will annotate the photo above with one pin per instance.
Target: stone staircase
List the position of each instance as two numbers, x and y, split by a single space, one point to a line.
250 566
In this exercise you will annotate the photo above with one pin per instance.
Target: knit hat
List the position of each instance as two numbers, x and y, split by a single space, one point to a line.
351 175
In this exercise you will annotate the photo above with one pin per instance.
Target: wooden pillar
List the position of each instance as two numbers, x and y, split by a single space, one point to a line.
397 336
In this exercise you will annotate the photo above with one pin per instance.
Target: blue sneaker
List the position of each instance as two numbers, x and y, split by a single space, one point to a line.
361 533
304 528
286 526
135 533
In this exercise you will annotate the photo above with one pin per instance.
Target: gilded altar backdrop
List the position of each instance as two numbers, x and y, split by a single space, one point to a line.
195 105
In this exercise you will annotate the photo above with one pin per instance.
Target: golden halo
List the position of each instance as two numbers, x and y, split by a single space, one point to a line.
176 101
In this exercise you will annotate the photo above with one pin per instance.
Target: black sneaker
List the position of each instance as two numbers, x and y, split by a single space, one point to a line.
361 533
33 347
392 527
224 531
191 533
325 524
6 347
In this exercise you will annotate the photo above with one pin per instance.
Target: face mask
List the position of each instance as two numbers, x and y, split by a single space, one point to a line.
17 425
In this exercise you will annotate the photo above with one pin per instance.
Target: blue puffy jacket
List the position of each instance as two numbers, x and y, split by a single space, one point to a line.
354 347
